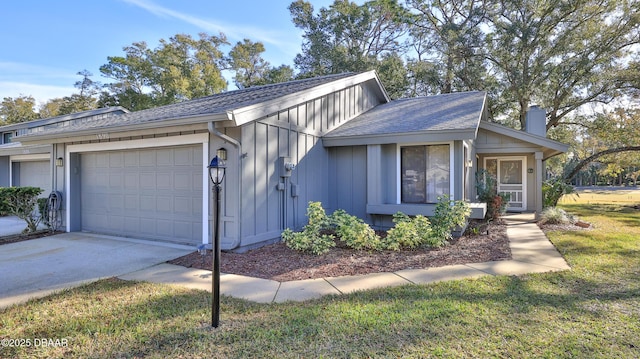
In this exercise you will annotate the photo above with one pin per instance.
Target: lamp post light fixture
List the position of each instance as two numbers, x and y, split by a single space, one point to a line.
217 169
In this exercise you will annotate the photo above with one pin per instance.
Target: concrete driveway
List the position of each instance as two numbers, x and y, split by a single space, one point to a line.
38 267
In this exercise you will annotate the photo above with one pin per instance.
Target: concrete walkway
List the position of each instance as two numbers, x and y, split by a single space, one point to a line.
530 249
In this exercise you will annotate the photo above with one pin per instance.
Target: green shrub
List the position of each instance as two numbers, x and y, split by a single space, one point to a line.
22 202
555 215
308 241
448 215
354 232
486 186
553 189
408 232
311 239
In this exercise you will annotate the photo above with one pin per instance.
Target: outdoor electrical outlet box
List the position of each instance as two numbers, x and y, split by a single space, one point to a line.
286 166
295 190
281 186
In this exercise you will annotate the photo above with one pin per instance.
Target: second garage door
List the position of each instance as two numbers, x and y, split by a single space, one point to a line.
35 174
147 193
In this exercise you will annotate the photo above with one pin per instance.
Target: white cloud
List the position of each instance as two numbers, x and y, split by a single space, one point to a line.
41 93
231 31
17 79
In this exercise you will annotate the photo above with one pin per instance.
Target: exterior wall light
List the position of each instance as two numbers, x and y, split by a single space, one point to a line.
59 162
222 154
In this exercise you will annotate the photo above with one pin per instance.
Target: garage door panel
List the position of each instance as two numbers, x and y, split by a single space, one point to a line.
115 160
131 159
164 181
160 198
102 160
147 159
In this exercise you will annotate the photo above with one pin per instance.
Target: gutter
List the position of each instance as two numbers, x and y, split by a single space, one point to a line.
212 130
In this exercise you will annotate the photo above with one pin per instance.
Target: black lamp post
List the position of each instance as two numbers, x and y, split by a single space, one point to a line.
217 169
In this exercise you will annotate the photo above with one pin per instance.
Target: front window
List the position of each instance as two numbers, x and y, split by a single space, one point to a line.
6 137
425 173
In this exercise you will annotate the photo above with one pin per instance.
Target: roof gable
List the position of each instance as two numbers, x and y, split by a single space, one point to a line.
549 147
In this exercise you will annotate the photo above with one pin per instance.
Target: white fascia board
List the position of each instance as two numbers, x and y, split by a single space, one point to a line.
18 149
251 113
31 157
142 143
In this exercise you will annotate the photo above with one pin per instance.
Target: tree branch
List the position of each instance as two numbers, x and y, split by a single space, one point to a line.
568 177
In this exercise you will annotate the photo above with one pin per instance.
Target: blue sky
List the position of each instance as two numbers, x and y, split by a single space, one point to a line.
45 43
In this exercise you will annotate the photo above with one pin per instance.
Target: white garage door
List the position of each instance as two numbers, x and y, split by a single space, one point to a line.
147 193
35 174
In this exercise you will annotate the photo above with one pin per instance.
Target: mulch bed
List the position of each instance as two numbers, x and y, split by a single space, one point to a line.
25 237
278 262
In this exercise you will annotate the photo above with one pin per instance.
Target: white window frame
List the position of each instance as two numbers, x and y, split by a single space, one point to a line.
452 170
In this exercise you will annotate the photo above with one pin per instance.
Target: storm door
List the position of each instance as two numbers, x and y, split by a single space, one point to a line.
511 179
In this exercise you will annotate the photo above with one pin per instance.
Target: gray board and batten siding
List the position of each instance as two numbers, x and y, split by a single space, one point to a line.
271 202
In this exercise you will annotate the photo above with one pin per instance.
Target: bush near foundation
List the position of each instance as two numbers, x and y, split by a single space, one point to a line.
321 232
22 202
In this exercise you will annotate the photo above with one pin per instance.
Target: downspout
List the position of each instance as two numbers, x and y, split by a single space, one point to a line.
212 129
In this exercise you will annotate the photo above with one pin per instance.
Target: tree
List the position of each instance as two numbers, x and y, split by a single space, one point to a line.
393 74
19 109
346 36
616 132
245 58
86 99
275 75
449 37
560 54
180 68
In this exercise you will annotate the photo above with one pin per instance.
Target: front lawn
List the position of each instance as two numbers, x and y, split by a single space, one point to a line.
591 311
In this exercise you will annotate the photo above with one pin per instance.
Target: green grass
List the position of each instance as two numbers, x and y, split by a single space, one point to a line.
603 196
591 311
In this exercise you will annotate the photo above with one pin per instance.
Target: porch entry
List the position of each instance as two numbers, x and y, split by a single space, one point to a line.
511 178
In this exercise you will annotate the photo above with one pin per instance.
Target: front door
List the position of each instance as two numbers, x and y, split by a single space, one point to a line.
511 179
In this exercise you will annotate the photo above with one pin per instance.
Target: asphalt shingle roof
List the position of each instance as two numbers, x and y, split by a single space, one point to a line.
454 111
214 104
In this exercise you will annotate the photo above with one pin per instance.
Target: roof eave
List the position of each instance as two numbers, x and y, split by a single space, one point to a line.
170 122
401 138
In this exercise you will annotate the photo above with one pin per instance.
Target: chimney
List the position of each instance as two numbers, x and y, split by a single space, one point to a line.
537 121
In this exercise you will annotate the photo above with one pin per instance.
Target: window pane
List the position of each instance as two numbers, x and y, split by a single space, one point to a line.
6 137
437 172
413 174
425 173
511 172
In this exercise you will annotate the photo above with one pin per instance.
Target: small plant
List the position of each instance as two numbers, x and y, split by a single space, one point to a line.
22 202
311 239
409 232
555 215
448 215
553 189
354 232
486 185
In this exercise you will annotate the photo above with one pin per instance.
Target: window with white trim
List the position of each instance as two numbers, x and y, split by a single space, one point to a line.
6 137
425 173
